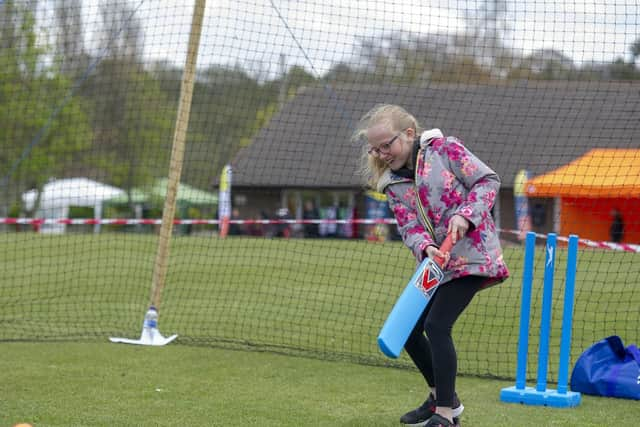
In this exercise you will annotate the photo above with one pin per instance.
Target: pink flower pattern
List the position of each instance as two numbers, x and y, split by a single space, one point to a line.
451 181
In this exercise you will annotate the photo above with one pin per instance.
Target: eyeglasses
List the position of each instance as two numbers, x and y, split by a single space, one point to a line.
384 148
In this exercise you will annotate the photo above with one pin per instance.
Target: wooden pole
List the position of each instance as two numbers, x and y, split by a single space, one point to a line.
177 155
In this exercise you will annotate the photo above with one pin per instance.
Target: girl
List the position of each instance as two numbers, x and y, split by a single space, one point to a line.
435 186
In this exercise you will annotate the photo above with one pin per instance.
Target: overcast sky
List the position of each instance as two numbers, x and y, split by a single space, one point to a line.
251 32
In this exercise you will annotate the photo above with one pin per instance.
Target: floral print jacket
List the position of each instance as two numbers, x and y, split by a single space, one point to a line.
449 180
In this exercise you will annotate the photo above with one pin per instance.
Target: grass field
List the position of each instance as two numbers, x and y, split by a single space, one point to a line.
321 298
103 384
318 297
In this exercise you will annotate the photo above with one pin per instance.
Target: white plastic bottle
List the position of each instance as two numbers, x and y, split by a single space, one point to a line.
151 318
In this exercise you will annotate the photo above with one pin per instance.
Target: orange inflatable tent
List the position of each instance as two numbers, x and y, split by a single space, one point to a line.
590 189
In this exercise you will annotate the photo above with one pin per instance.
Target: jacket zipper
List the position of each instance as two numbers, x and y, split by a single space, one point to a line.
423 214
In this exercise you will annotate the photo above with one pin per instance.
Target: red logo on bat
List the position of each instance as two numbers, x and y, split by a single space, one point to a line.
431 278
428 280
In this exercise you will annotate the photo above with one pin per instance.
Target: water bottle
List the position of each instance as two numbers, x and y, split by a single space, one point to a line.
151 318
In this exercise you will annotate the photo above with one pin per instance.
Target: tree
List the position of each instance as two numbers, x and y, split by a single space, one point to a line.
13 16
42 126
69 41
621 70
340 73
487 26
133 117
230 105
133 122
225 104
408 58
544 64
635 50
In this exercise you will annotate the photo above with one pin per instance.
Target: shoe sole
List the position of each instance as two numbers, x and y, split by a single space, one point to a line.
456 423
456 412
456 420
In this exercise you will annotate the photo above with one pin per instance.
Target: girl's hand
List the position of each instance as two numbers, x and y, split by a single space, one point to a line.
458 227
435 253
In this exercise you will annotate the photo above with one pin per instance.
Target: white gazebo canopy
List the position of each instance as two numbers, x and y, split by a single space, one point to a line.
58 195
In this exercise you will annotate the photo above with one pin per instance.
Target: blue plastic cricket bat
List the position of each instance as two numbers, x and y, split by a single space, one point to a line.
411 303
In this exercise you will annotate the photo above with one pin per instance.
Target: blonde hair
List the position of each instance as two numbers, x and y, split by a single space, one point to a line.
398 119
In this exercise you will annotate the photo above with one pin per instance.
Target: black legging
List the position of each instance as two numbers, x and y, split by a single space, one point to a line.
435 354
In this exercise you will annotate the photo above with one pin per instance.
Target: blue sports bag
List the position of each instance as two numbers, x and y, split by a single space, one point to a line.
608 369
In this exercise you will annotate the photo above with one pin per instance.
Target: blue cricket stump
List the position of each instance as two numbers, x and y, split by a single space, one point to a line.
541 395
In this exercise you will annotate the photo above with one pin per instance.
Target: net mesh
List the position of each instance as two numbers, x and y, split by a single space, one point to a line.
312 262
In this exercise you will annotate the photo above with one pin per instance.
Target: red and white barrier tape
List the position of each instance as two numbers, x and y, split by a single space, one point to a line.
128 221
626 247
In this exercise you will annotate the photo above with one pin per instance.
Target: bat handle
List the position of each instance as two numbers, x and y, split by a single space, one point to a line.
445 248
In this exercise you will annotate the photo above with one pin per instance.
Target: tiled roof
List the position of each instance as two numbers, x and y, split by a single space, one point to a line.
534 125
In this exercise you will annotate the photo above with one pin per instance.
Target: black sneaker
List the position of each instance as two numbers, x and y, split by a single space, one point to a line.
439 421
419 416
